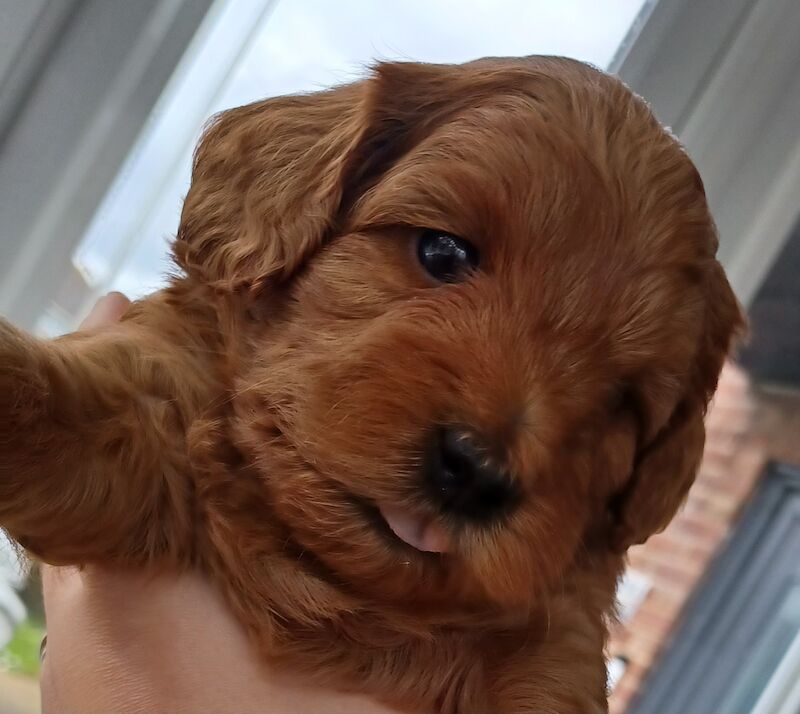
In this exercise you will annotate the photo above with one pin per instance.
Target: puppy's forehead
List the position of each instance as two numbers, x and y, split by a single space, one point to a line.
527 170
476 172
589 210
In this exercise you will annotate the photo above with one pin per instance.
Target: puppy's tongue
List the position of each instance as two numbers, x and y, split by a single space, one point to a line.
419 532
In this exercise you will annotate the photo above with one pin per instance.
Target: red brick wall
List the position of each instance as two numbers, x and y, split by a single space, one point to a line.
744 430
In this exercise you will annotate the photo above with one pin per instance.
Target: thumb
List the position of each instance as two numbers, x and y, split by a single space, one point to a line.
106 311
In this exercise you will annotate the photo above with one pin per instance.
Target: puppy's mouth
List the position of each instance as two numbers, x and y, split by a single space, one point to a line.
420 532
404 528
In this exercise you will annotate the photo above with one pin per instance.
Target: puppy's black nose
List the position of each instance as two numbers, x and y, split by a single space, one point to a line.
465 481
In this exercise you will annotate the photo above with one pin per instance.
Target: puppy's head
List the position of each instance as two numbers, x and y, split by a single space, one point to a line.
483 321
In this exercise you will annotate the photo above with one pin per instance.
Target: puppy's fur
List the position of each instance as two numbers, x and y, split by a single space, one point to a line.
244 419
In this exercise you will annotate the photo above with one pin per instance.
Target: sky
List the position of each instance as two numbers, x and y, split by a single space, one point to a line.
251 49
315 43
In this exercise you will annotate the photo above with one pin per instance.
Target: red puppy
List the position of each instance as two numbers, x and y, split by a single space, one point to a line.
439 352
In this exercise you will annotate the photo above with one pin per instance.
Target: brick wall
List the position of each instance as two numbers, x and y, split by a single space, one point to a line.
745 429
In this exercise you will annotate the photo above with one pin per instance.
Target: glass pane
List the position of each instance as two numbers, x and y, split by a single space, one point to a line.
765 655
294 46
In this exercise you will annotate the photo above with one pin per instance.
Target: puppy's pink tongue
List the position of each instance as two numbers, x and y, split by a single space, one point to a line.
421 533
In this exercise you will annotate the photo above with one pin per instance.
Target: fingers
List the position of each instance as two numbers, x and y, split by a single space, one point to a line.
106 311
59 585
58 581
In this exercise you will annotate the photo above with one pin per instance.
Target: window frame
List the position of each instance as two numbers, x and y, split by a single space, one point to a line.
692 669
89 96
723 75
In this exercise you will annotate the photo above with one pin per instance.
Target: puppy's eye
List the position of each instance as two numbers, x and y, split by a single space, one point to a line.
446 257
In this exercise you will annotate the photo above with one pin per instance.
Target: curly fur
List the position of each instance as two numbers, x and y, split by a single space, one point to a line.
238 420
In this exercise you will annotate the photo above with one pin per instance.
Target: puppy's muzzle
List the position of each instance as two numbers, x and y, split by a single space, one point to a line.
464 480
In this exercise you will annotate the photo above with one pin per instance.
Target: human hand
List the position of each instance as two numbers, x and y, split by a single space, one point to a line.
121 641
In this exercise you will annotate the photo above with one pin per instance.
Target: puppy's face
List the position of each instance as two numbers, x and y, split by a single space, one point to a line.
490 340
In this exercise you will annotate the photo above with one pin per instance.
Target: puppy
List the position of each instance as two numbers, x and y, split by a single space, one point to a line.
438 352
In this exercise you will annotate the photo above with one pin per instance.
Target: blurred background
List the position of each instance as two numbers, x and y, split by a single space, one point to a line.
102 102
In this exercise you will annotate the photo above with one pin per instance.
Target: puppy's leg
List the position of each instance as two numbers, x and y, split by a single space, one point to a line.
93 463
561 668
541 685
545 683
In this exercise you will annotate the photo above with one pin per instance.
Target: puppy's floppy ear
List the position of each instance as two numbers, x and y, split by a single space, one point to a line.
266 183
666 467
271 179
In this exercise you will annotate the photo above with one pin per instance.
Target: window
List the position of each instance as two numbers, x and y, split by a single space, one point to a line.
250 49
765 653
737 650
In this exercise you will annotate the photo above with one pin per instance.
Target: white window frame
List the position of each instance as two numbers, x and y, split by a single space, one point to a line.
59 155
721 73
782 693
